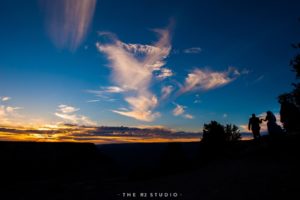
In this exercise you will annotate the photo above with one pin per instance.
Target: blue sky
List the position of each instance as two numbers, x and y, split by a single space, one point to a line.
174 64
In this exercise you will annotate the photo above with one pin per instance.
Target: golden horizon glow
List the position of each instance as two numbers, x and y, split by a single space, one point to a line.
80 134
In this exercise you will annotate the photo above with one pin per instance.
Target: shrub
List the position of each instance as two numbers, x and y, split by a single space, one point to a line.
215 132
232 133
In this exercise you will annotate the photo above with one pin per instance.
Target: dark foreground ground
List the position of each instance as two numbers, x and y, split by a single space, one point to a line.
267 169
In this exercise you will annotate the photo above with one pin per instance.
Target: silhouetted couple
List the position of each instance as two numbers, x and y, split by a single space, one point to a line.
273 128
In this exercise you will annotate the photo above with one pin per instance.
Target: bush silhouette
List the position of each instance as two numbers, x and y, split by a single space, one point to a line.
213 133
216 133
232 133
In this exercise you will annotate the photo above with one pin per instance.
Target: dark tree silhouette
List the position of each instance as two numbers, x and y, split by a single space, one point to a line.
290 102
289 113
232 132
295 62
216 133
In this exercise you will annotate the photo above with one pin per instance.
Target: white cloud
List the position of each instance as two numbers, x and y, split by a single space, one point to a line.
9 115
193 50
2 111
140 49
7 110
68 21
132 68
188 116
76 119
141 108
92 101
197 98
197 101
166 91
68 114
10 109
206 80
225 115
130 71
164 73
67 109
5 98
112 89
103 96
108 89
178 110
123 108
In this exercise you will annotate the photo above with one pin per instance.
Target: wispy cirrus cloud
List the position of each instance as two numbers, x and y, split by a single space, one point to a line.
179 110
103 94
107 89
205 79
132 68
234 71
113 89
68 21
193 50
5 98
69 115
166 91
92 100
258 79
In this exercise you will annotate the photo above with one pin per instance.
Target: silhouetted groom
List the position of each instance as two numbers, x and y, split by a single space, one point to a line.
254 126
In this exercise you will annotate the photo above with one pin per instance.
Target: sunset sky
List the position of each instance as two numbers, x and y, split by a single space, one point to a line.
142 63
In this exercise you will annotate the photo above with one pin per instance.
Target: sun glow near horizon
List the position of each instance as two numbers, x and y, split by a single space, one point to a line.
97 135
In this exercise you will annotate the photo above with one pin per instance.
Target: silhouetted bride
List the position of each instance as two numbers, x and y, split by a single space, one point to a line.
273 127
